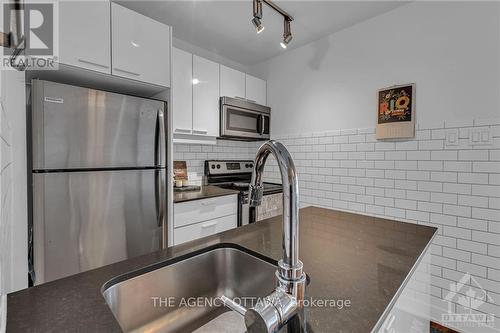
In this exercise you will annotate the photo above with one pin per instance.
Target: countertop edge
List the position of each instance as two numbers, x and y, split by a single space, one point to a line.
396 296
201 196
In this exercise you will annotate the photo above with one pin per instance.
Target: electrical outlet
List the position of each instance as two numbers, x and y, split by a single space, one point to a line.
480 136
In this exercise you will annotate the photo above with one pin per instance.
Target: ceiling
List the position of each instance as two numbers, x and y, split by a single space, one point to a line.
224 27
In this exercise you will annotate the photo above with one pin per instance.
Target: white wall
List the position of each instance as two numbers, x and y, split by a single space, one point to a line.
323 99
450 50
13 223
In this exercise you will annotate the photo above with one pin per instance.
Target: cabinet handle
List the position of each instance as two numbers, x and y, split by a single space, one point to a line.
182 130
208 225
200 131
127 72
92 63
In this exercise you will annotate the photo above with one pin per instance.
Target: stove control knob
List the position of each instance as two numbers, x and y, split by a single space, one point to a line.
251 165
218 166
213 166
247 165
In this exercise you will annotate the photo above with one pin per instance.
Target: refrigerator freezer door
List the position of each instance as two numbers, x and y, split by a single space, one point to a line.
80 128
84 220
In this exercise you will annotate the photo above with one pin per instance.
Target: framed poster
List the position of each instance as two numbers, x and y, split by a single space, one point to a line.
396 112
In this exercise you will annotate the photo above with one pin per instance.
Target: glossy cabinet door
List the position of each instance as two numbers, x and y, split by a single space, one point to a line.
140 47
205 97
256 89
204 217
232 82
182 86
84 36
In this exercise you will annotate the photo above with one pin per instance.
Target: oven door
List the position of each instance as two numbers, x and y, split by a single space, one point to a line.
242 123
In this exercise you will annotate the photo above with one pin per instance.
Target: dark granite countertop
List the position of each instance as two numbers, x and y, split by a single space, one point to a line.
346 256
204 192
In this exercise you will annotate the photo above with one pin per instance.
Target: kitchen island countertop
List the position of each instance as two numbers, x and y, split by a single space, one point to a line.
347 256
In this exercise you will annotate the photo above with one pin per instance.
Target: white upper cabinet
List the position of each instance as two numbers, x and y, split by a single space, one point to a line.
232 82
84 36
256 90
205 97
140 47
182 87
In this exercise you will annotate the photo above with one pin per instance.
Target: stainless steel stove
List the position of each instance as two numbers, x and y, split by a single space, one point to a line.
236 175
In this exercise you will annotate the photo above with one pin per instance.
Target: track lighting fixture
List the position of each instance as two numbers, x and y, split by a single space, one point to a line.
257 17
258 25
287 34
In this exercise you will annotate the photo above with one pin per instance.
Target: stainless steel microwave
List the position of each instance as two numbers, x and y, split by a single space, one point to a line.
244 120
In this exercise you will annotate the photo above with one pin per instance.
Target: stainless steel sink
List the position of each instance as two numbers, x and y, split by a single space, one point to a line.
160 298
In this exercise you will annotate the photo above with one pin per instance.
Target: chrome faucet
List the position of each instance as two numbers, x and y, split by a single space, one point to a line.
286 300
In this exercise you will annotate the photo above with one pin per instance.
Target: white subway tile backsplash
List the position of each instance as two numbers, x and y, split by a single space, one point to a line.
444 176
472 246
418 155
443 219
486 190
473 224
457 232
473 178
444 198
493 167
457 254
428 180
466 267
486 214
430 165
418 195
487 261
473 155
486 237
457 188
457 166
431 145
444 155
430 207
493 250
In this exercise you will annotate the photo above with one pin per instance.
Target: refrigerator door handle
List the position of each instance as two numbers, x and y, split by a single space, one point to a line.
160 197
160 147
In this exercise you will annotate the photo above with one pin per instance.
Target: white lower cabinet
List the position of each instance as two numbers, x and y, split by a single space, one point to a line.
205 217
202 229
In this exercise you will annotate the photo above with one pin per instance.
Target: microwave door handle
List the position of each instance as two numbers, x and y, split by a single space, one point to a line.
262 123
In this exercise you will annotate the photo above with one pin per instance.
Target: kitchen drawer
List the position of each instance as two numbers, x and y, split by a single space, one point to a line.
191 212
206 228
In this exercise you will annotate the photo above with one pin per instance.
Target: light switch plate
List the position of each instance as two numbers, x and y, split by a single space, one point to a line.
481 136
452 137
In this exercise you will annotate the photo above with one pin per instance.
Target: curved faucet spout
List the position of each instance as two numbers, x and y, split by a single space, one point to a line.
290 185
286 300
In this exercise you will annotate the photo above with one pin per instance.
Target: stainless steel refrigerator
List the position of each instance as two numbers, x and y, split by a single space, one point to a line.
98 178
